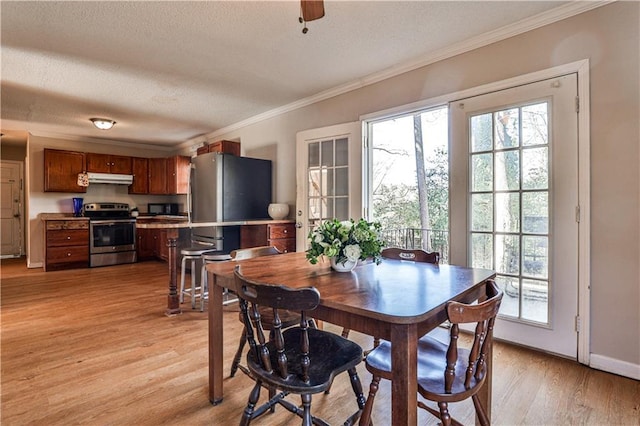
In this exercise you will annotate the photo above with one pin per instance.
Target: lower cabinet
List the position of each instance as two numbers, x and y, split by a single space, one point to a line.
280 235
151 243
66 244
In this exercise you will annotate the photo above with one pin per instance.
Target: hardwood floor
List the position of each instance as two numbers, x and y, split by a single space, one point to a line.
93 347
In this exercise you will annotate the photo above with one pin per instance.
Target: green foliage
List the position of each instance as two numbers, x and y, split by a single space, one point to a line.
396 205
346 240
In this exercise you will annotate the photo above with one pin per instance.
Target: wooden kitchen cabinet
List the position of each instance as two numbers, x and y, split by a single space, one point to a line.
66 244
157 180
178 169
107 163
146 243
140 172
61 170
280 235
228 147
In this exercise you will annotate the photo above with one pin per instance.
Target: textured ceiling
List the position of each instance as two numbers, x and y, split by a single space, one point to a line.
168 72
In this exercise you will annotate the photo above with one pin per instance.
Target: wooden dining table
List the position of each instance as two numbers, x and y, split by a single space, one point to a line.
398 301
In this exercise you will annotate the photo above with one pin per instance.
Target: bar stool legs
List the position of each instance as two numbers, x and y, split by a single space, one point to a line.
209 258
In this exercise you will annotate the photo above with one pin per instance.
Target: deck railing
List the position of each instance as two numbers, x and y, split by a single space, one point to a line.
413 238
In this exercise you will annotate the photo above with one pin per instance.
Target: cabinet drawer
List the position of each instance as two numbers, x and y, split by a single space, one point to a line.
284 245
285 230
67 224
68 254
68 237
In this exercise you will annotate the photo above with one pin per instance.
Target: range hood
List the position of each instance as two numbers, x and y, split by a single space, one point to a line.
111 178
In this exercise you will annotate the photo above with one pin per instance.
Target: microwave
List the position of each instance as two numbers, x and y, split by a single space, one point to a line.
163 208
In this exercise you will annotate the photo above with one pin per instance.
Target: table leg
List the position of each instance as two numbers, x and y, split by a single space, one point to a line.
215 340
404 386
173 299
484 394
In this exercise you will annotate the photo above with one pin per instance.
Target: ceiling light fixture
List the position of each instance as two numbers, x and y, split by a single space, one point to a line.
310 10
102 123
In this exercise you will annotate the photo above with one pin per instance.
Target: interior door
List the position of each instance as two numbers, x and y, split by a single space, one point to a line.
11 209
328 176
515 157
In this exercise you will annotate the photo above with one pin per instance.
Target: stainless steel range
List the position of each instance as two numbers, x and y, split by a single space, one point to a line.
112 234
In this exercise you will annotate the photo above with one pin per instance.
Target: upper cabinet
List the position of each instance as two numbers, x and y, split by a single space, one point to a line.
157 176
140 169
178 168
228 147
106 163
61 170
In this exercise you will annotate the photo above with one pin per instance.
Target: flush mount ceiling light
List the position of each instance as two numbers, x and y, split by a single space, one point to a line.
102 123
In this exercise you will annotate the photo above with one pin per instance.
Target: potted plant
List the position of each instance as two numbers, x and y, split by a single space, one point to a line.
345 242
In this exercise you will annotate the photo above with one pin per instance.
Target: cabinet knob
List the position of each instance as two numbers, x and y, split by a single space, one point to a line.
285 231
68 254
68 237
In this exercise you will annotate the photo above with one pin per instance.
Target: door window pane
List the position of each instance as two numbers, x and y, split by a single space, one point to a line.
507 128
535 212
507 254
534 125
535 168
535 300
507 212
482 172
510 305
535 255
481 133
482 251
342 152
482 212
507 170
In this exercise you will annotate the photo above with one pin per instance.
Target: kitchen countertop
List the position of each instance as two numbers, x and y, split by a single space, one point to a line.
61 216
152 222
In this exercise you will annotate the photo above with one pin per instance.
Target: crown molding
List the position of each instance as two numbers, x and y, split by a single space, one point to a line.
540 20
109 142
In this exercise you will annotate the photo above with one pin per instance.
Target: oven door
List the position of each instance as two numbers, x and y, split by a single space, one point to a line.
109 236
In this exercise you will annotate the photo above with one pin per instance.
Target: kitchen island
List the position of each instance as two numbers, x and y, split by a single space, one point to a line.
173 224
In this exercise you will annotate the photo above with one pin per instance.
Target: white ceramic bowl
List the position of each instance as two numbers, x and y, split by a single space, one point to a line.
278 211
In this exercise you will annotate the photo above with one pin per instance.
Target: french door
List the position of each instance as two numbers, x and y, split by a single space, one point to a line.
329 177
514 162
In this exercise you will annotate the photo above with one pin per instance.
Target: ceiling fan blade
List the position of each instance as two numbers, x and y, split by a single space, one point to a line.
312 9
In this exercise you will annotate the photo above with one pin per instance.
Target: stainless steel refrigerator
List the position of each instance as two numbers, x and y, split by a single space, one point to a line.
227 188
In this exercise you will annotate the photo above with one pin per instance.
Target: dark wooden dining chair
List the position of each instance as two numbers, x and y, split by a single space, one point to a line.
447 372
288 318
414 255
300 360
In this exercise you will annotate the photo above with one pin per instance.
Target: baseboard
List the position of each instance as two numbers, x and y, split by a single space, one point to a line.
615 366
35 265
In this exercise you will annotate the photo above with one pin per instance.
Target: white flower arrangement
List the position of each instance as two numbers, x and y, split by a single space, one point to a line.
346 241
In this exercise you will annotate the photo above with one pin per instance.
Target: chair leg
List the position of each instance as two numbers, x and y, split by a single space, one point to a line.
236 359
365 418
445 417
357 387
306 406
251 404
480 412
